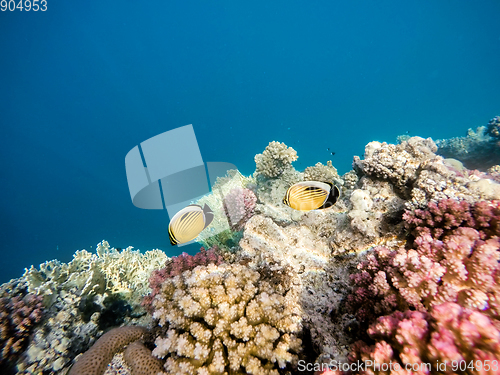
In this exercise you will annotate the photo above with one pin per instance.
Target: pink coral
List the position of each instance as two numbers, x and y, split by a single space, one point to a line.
177 265
452 259
239 205
18 316
448 333
448 214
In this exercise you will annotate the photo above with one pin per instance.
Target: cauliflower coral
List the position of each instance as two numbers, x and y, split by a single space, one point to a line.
225 319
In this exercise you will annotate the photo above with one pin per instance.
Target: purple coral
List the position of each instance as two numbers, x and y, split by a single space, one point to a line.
449 335
454 258
18 316
177 265
239 205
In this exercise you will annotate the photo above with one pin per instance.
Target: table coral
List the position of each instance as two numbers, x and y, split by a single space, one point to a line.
275 159
226 318
450 335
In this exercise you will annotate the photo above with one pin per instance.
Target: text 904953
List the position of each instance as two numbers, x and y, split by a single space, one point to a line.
23 5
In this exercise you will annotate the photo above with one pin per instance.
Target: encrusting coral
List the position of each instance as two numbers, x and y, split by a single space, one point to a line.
275 159
224 319
95 360
141 360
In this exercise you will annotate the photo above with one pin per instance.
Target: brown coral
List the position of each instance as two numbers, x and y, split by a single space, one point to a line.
141 361
95 360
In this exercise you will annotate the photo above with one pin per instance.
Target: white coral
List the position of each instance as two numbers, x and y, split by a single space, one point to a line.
275 159
256 325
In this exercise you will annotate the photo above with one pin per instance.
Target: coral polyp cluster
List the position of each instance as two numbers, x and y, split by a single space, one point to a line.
225 318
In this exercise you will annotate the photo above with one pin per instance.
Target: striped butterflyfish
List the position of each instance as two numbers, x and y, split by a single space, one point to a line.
311 195
188 223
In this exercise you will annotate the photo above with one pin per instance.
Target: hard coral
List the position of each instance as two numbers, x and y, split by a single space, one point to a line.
19 314
239 205
449 335
397 163
95 360
275 159
454 258
226 319
178 265
141 360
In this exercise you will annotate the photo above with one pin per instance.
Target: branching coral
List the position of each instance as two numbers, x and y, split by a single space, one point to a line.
20 312
275 159
239 205
454 259
396 163
438 342
324 173
177 265
226 319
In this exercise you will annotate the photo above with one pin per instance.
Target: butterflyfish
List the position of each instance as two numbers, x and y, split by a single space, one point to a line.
188 223
311 195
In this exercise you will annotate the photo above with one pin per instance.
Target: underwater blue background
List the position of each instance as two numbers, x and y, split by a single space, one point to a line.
84 82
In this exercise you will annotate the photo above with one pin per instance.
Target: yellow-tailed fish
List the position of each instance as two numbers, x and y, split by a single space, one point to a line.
311 195
188 223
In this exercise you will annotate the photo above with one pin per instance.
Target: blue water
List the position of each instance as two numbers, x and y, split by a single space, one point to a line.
84 82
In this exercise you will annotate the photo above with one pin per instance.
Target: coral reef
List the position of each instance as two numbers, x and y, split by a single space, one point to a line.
420 176
83 298
479 149
438 342
454 258
396 163
275 159
324 173
177 265
20 312
239 206
123 272
406 260
225 318
95 360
